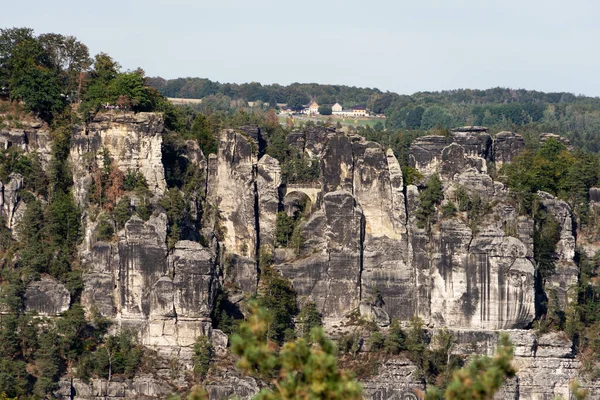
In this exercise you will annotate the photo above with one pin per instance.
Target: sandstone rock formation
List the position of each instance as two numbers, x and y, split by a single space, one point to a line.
47 297
133 141
362 252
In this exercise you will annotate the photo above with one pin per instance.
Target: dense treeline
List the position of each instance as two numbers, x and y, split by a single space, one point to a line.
295 95
526 111
50 71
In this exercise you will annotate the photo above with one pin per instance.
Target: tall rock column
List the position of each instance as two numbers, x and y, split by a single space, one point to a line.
235 199
378 189
268 179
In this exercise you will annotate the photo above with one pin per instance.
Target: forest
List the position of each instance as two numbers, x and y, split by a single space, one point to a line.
529 112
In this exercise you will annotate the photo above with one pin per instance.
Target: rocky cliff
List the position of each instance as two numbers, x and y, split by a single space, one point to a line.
362 247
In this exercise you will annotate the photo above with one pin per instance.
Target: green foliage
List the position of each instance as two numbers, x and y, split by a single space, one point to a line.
48 362
395 341
577 392
300 170
225 315
14 379
546 234
303 369
284 228
41 71
429 198
29 166
198 393
63 221
435 116
34 255
203 355
308 319
325 110
122 212
553 169
175 207
350 344
104 230
127 90
134 181
277 295
449 210
416 338
39 89
481 378
376 341
411 176
204 132
119 355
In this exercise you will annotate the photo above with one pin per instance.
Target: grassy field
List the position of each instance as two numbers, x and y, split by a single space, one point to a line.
299 119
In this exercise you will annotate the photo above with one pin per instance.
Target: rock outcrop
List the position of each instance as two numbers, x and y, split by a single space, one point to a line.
47 297
362 252
133 141
450 276
10 201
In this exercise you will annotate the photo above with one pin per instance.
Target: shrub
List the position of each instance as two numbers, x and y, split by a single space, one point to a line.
203 354
278 296
309 318
284 228
448 210
429 198
104 230
394 343
377 341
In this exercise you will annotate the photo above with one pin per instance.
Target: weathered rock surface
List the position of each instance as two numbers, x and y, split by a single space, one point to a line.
47 297
12 207
506 146
167 298
268 180
362 249
133 141
232 190
31 136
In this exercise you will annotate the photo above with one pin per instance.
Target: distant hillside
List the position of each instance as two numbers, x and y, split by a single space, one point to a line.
528 111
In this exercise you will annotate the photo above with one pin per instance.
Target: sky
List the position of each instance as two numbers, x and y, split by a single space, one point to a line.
399 46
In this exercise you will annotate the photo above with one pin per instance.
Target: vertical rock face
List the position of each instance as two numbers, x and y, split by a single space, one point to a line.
566 274
330 274
30 136
47 297
378 188
449 276
12 207
344 232
194 272
164 296
167 298
235 192
142 262
507 145
362 247
100 279
268 180
481 279
133 141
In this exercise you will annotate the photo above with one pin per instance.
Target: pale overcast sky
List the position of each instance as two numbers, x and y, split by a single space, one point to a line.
400 46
